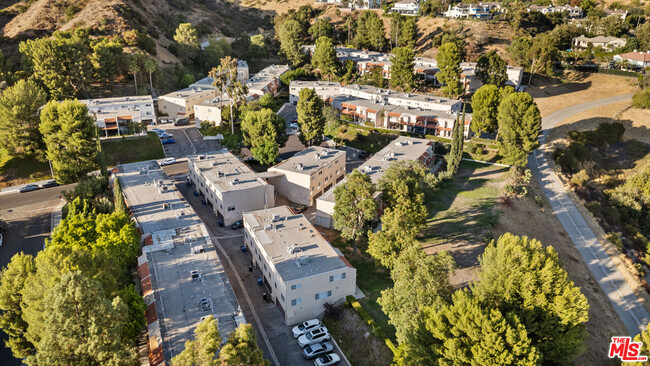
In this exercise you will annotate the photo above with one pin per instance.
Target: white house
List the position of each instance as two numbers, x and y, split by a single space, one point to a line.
181 103
608 43
636 59
470 11
406 7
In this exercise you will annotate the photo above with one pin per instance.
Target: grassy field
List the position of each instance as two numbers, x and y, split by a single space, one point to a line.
14 171
462 214
129 150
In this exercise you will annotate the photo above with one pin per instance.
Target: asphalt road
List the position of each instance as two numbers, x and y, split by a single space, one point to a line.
627 305
26 217
188 141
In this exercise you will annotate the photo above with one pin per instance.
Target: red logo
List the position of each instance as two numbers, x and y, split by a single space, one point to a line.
626 350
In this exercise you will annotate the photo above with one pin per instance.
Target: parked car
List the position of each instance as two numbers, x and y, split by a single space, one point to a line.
219 221
300 208
327 360
49 183
168 161
28 188
305 327
314 336
317 349
182 122
166 135
169 140
2 233
362 154
237 225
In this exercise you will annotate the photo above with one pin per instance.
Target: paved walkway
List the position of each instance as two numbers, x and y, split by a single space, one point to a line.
611 280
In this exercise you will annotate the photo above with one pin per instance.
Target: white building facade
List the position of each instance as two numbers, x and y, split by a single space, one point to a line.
113 115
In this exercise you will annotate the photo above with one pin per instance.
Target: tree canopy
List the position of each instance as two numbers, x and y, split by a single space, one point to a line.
19 105
310 117
324 58
201 350
291 40
401 74
69 132
492 69
264 131
370 32
485 104
520 124
449 58
242 349
354 206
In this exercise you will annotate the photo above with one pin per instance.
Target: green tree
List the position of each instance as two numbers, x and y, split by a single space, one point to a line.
188 38
136 319
19 132
408 33
324 58
520 124
235 88
62 63
370 32
214 52
543 52
456 153
257 48
519 51
120 204
401 75
409 172
264 131
545 300
492 69
106 59
467 333
134 68
201 350
485 104
12 282
150 66
310 117
242 349
643 35
354 206
322 27
82 326
587 6
291 41
68 133
448 60
420 281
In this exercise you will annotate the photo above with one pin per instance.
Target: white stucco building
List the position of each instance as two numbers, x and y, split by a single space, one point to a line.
299 267
228 186
406 7
306 175
181 103
266 81
113 115
636 59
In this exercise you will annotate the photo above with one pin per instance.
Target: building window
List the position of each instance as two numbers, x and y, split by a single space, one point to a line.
231 208
296 286
295 302
282 297
276 285
322 295
338 277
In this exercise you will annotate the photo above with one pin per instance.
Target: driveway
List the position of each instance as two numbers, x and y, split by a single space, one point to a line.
284 349
611 280
188 141
352 159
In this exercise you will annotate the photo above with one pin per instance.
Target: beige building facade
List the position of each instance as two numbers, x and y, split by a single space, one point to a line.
181 103
228 186
299 267
308 174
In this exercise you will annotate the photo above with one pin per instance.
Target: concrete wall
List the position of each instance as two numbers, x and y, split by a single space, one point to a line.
211 113
324 212
173 107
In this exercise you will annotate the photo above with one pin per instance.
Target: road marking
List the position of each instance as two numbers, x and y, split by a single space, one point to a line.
230 237
218 246
190 140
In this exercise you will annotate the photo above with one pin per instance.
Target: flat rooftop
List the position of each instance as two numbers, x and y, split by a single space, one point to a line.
101 102
225 171
266 76
154 201
310 160
401 149
296 248
390 108
188 92
314 84
387 93
188 280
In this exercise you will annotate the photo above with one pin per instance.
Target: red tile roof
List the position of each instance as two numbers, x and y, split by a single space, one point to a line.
637 56
151 313
156 356
143 270
147 288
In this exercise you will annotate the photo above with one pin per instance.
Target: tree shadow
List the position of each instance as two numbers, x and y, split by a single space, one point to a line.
547 86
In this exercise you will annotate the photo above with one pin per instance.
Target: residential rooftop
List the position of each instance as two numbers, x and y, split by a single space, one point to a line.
189 92
266 76
225 171
310 160
387 93
401 149
292 243
179 267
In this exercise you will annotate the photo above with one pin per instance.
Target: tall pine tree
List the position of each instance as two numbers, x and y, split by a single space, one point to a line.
120 204
310 117
457 140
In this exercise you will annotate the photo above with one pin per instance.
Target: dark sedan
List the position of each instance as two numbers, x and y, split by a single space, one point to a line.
28 188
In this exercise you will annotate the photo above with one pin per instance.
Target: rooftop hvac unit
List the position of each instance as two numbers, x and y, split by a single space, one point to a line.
367 168
300 167
317 156
234 181
268 227
215 163
221 174
410 142
275 218
398 143
304 260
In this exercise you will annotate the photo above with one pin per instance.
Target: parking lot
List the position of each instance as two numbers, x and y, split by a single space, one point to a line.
285 347
188 141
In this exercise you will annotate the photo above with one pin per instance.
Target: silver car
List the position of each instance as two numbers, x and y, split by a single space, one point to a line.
314 336
317 349
327 360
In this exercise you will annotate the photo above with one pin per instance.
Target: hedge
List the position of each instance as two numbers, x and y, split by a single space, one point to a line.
600 70
376 329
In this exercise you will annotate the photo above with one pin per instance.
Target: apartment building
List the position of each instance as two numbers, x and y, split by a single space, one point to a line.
181 276
113 115
242 75
401 149
571 11
228 186
478 11
266 81
210 110
306 175
324 89
181 103
301 270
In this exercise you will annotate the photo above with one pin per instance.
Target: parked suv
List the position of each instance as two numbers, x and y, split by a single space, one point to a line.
314 336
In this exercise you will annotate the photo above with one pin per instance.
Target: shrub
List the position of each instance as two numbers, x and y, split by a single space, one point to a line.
594 207
615 239
580 178
579 151
642 99
71 11
576 136
539 200
567 162
636 148
612 215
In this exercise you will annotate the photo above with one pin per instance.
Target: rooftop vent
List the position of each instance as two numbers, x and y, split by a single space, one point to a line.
398 143
234 181
293 249
221 174
367 168
300 167
275 218
215 163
